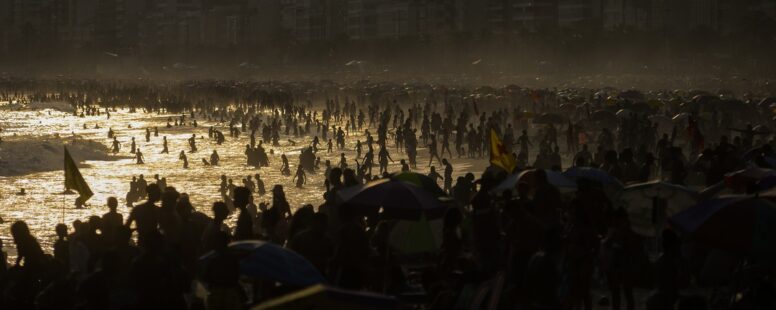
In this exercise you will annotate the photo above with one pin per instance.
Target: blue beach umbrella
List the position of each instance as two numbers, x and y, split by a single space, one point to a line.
269 261
398 200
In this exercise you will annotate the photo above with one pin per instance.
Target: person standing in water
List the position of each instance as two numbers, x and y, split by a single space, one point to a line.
285 169
434 175
260 189
116 145
132 147
139 157
148 135
193 143
343 161
383 157
164 145
132 196
446 144
214 158
525 143
448 175
183 157
300 177
368 160
432 149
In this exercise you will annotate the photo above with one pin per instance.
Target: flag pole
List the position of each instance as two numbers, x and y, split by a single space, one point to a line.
63 193
63 208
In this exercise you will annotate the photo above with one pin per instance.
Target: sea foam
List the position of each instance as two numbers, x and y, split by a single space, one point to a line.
25 156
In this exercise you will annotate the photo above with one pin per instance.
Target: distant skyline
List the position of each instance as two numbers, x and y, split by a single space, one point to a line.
141 26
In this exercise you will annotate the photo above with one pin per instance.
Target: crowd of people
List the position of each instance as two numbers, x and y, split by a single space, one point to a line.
542 248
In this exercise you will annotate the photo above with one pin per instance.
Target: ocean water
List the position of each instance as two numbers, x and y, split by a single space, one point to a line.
31 157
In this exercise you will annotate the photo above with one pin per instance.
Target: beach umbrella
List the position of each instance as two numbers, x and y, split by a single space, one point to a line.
604 116
550 118
325 297
741 179
642 201
762 129
689 106
681 117
654 103
766 183
397 199
731 106
640 107
704 98
269 261
563 183
419 180
413 237
567 107
354 63
632 94
739 224
593 174
624 113
664 123
714 190
767 102
755 152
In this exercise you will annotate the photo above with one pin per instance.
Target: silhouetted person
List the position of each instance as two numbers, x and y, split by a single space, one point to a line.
244 230
313 243
543 276
448 175
351 257
619 251
146 215
61 246
220 212
485 225
28 249
260 189
156 276
221 276
670 274
170 223
214 158
279 200
111 220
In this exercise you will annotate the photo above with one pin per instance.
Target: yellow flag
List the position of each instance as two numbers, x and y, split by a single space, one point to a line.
74 180
498 153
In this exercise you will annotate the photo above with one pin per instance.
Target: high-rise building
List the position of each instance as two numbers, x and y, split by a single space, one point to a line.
373 19
627 14
474 19
584 14
395 19
768 7
6 23
263 23
532 15
703 14
361 19
314 20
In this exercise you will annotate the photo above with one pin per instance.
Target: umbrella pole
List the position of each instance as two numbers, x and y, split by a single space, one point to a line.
386 271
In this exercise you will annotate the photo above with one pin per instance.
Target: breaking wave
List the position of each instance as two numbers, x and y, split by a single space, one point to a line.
20 157
48 105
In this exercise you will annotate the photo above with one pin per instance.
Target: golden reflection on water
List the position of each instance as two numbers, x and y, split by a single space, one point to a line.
42 207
